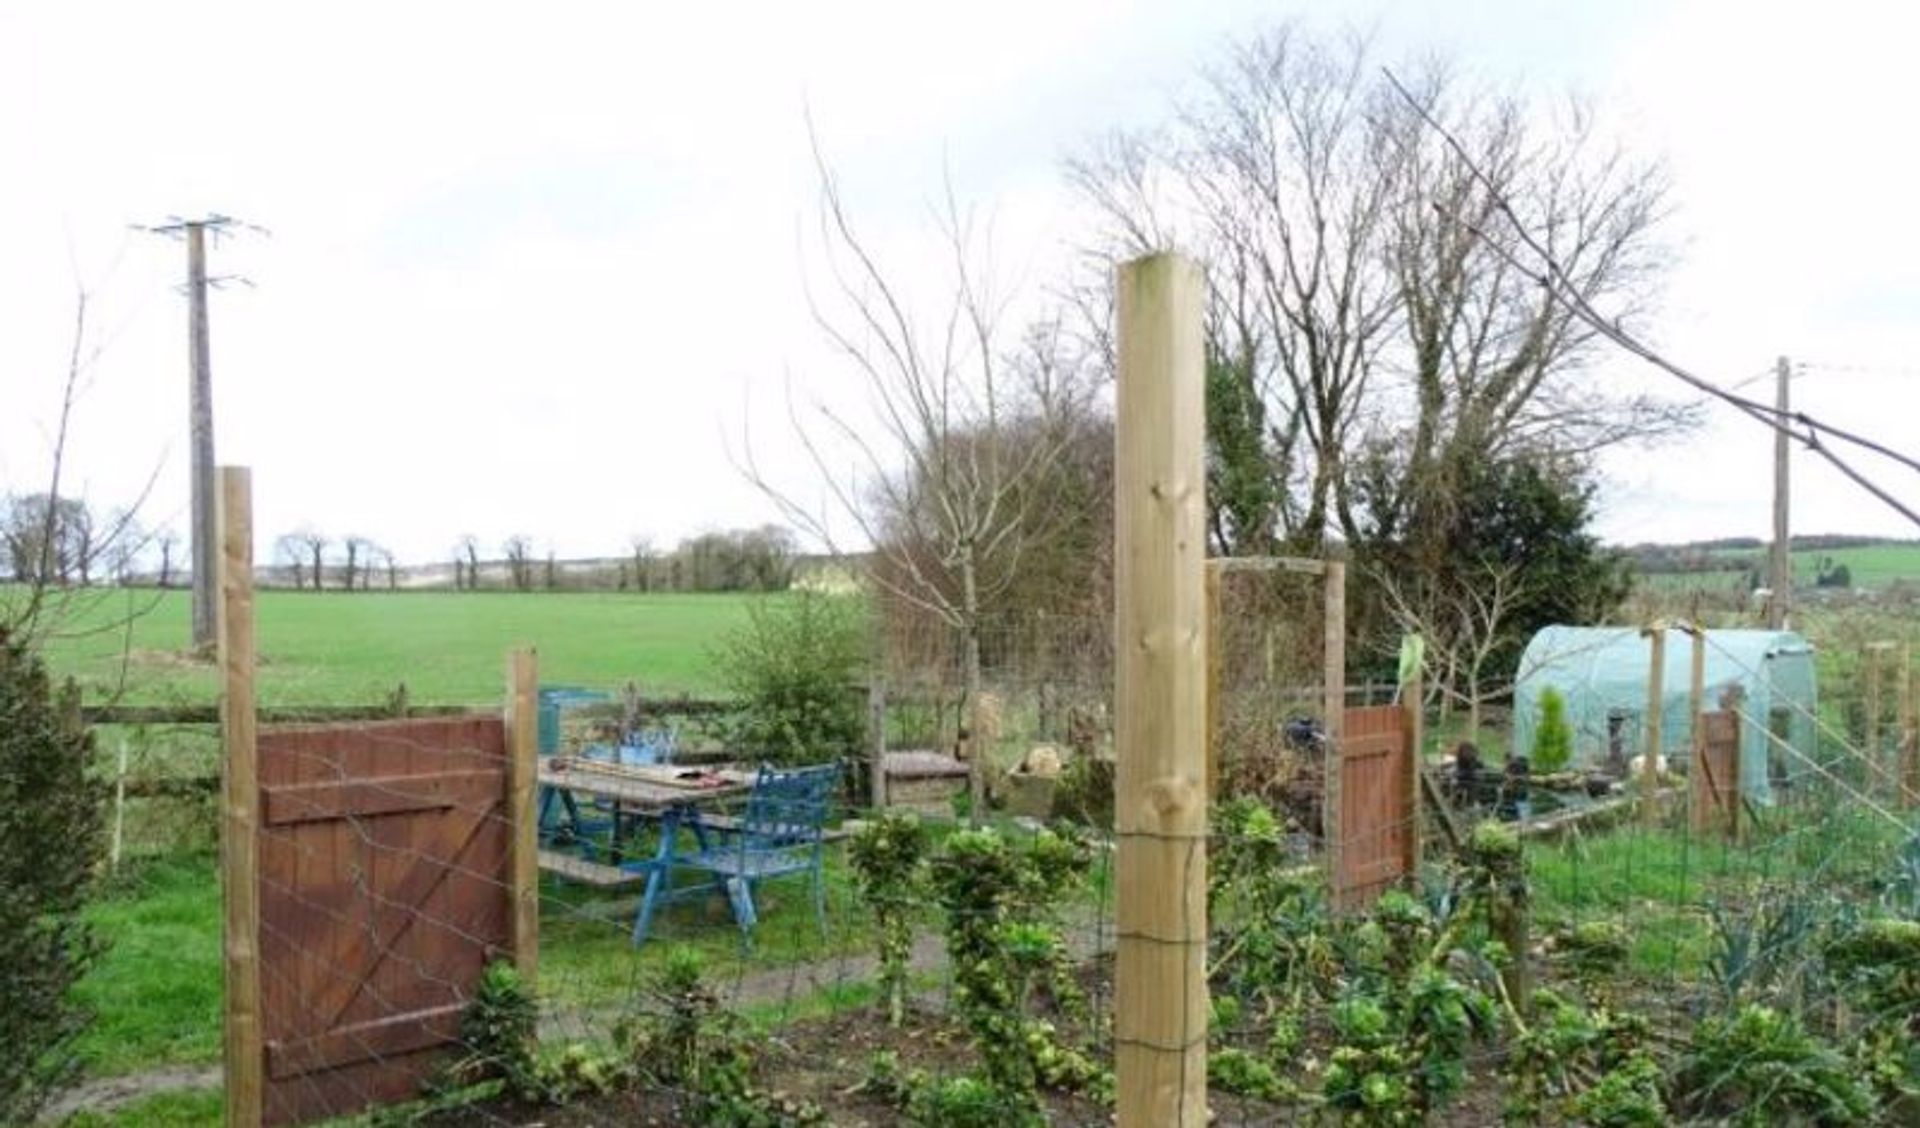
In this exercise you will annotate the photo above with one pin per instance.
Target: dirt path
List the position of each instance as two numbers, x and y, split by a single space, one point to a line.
784 987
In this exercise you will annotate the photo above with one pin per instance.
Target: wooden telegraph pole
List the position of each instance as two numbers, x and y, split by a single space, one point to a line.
204 551
200 429
1780 567
1160 980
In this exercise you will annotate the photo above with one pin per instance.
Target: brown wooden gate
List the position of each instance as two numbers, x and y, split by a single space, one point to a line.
1377 812
1716 774
384 890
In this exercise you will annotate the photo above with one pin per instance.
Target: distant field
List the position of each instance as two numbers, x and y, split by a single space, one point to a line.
319 648
1872 566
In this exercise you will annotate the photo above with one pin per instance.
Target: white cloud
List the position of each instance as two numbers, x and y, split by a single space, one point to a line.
530 266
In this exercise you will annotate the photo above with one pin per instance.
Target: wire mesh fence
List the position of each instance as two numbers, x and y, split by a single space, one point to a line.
1548 957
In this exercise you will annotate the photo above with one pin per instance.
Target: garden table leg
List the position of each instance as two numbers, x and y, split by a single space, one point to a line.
658 874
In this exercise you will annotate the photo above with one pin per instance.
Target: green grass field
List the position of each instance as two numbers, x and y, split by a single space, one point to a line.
1872 566
449 648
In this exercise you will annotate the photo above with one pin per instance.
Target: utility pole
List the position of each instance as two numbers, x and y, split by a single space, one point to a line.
200 427
1780 569
204 551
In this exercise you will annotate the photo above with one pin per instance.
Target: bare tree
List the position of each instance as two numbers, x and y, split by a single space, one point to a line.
552 573
936 484
383 557
518 550
643 563
1278 176
52 538
168 538
123 555
1353 290
315 543
468 547
357 549
1463 627
291 552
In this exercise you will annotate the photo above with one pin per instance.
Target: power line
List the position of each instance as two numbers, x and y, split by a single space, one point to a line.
1810 432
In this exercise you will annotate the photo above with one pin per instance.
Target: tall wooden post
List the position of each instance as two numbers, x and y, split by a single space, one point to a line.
206 553
523 785
877 742
244 1055
1656 701
1413 700
1700 812
1161 1007
1333 688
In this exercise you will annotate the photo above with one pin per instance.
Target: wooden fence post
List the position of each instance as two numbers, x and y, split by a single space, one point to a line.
1699 801
1160 986
1656 710
523 785
877 741
244 1055
1333 685
1413 699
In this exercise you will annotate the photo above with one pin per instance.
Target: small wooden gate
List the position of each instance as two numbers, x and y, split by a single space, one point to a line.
1377 824
1716 774
384 888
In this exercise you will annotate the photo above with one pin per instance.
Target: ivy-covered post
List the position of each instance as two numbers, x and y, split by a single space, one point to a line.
1496 852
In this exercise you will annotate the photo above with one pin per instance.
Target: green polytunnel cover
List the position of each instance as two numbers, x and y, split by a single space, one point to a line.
1602 673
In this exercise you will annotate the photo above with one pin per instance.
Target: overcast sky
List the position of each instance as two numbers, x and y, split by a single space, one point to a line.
535 272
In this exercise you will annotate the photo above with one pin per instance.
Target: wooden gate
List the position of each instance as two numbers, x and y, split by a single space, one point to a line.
1716 774
384 889
1376 827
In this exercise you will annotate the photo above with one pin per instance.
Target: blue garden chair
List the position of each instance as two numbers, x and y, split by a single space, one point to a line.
779 834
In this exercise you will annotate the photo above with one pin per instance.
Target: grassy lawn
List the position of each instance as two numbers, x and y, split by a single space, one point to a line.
156 992
1661 883
334 648
1870 566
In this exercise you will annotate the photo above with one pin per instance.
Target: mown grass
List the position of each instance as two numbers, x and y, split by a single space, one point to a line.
1663 883
447 647
156 991
1868 566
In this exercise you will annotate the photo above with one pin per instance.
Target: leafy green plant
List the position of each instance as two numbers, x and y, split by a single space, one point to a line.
1235 1070
1877 966
1406 1027
793 666
1277 943
684 1039
498 1029
1594 951
1762 1066
998 895
1565 1063
1553 737
968 1102
889 858
1757 946
51 844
